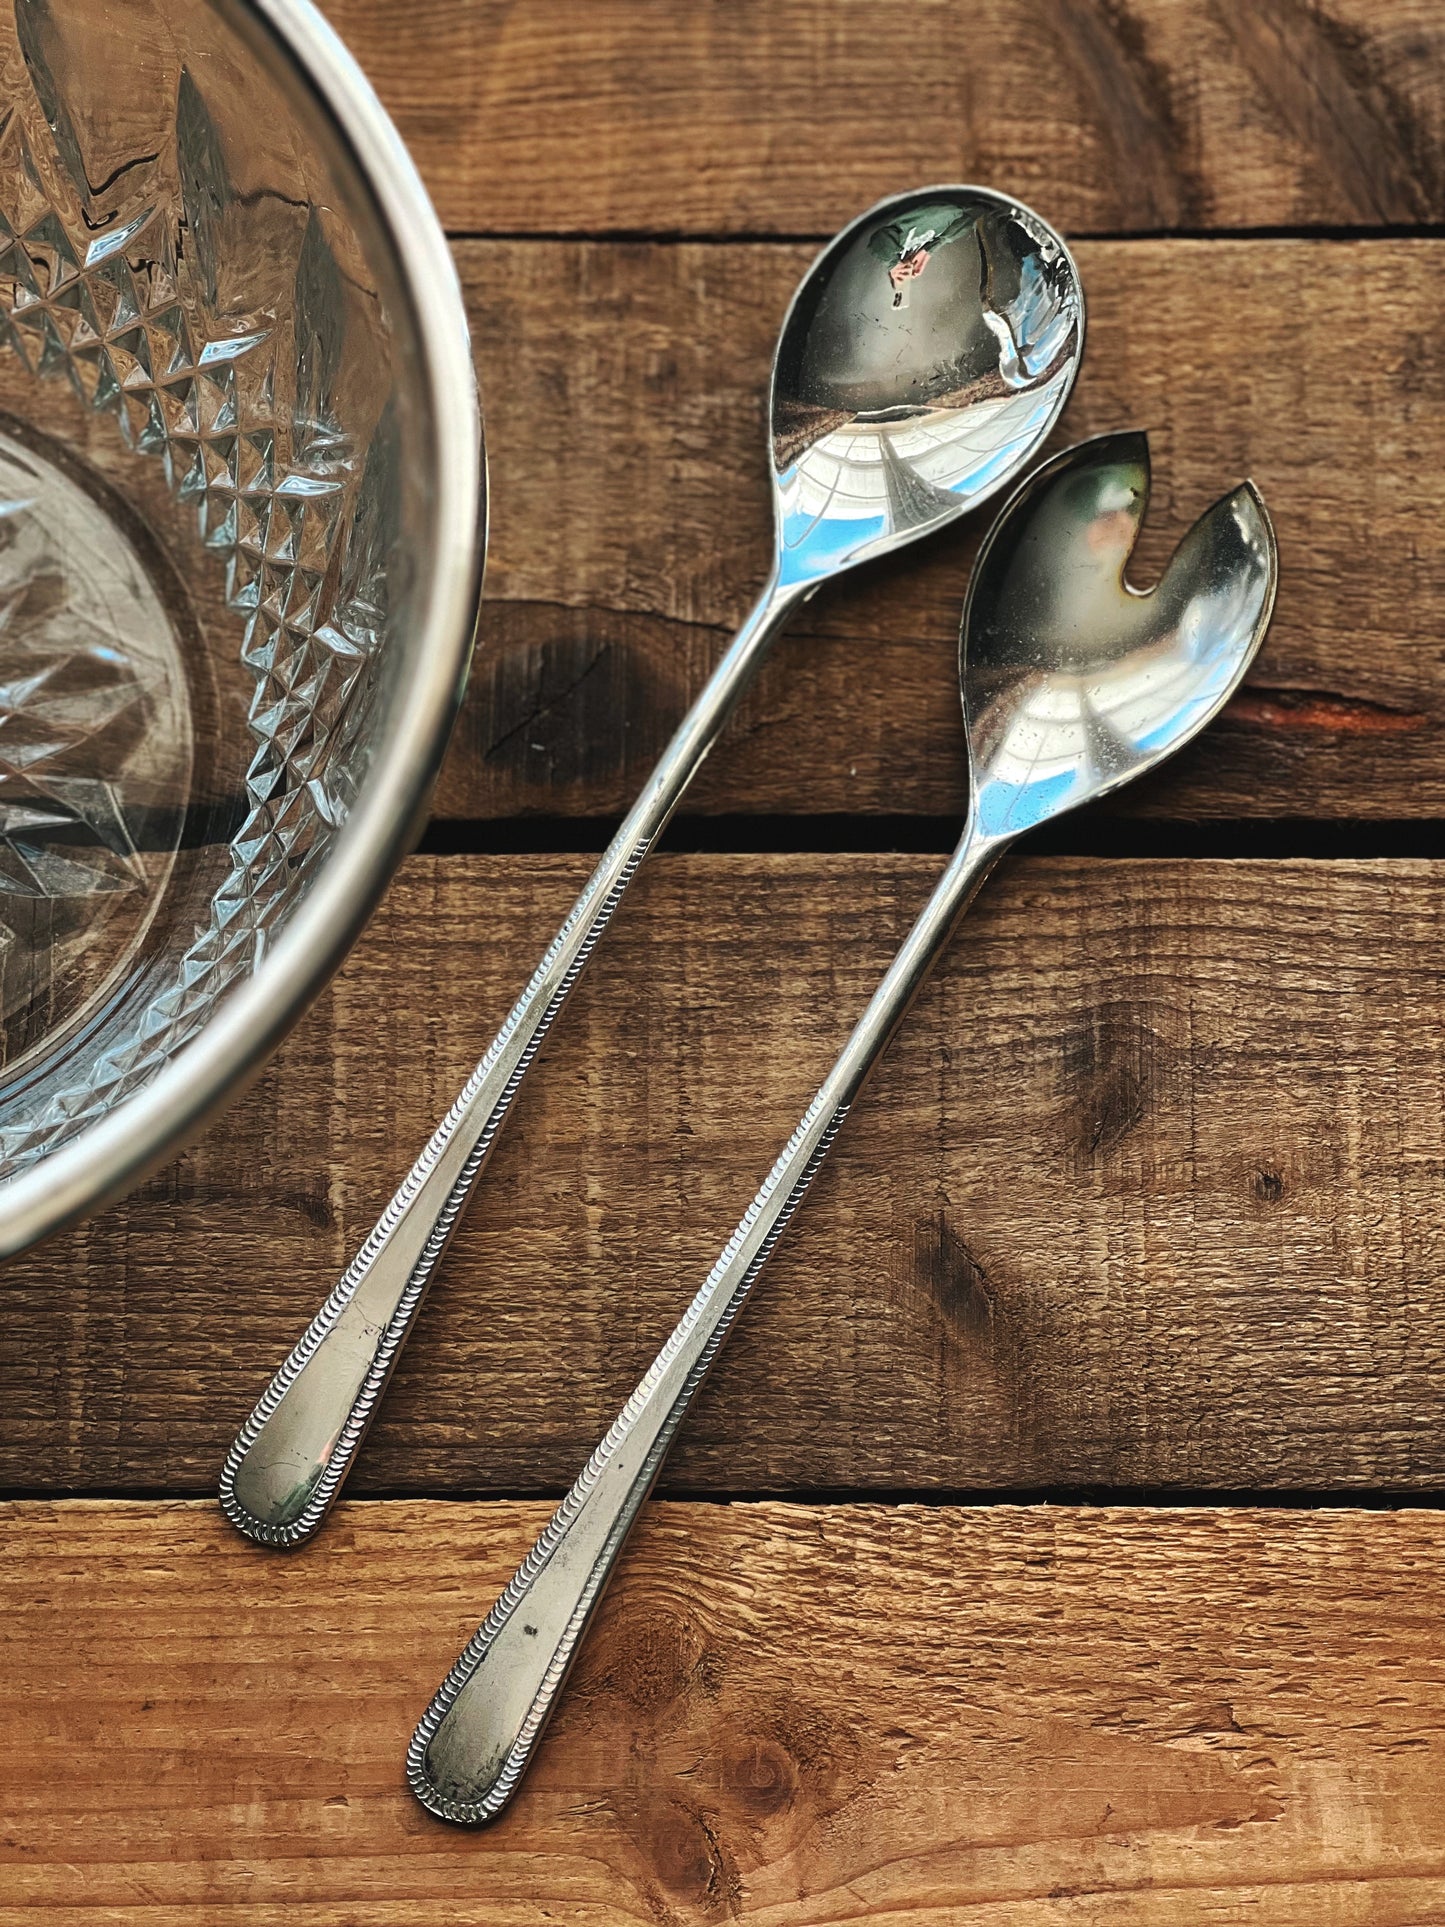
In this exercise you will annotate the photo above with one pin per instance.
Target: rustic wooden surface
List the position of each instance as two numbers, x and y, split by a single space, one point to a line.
625 391
1049 1715
787 116
1145 1193
1145 1204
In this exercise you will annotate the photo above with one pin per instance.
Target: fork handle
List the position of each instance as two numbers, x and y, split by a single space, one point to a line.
289 1460
476 1738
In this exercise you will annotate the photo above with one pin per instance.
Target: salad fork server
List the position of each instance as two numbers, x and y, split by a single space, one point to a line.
1073 683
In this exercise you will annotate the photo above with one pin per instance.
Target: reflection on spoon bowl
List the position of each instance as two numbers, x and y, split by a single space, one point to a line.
891 417
1073 681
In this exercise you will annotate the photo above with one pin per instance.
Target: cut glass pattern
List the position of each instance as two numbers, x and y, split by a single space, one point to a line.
208 325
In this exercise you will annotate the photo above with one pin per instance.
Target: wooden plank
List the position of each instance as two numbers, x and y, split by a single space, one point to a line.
625 396
786 116
1043 1716
1147 1193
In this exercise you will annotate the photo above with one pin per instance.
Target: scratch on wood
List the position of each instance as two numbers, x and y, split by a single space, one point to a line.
1310 709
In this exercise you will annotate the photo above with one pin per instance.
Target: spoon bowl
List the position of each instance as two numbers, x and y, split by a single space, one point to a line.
1074 681
928 351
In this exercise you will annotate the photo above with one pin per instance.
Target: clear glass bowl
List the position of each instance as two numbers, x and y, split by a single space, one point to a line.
241 525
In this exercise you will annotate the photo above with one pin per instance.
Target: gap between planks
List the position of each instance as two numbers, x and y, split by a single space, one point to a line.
1089 833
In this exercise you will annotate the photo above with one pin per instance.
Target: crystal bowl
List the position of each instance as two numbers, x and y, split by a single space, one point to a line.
241 528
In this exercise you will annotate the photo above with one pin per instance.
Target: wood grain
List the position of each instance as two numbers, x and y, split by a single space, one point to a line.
787 116
1147 1193
1017 1717
625 395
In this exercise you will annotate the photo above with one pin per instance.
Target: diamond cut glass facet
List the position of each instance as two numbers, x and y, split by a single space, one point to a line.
215 326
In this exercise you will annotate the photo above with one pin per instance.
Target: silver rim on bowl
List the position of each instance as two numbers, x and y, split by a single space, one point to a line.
113 1153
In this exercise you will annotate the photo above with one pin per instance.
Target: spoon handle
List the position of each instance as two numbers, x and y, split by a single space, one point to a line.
291 1456
476 1738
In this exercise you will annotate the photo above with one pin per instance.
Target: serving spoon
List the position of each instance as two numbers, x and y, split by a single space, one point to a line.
887 422
1073 683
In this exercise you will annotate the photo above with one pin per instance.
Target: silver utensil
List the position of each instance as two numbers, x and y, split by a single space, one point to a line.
886 424
1073 683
